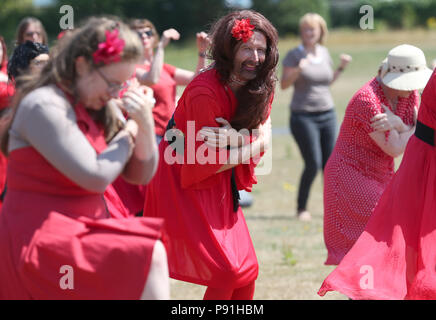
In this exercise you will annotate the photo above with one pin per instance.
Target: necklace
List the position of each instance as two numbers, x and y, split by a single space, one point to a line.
394 104
237 81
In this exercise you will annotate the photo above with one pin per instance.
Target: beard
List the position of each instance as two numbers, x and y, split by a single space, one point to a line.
246 72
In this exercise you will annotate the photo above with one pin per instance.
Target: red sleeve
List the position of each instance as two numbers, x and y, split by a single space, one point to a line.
6 93
170 69
201 163
364 108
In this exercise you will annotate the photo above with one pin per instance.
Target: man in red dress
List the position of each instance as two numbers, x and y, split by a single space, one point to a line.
206 235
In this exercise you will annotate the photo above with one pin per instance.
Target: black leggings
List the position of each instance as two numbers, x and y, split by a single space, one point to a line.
315 134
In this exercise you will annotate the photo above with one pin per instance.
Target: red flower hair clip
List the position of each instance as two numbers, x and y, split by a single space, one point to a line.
242 30
110 50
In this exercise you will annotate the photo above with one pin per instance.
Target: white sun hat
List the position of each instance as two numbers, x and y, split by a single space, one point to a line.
405 69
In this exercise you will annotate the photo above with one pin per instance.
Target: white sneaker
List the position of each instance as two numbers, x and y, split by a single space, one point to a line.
304 216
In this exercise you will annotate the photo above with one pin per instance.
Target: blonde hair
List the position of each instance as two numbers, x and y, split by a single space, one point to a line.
61 68
314 19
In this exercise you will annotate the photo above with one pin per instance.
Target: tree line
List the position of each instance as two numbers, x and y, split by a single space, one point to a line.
189 17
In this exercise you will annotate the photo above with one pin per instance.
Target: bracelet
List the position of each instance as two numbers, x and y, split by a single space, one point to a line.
340 69
202 54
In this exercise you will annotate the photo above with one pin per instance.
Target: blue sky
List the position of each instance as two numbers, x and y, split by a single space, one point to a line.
41 2
242 3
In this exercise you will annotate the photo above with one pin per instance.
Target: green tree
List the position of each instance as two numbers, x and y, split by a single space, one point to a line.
187 17
11 11
285 14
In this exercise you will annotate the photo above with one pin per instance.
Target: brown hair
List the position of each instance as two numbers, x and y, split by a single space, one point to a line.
254 97
24 24
61 68
136 24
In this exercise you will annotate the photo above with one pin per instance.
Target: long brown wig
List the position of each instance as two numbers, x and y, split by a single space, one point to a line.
253 98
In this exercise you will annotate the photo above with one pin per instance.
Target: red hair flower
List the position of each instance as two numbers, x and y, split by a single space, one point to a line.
242 30
110 50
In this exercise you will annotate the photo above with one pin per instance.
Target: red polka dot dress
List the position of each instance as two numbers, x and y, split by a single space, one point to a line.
358 170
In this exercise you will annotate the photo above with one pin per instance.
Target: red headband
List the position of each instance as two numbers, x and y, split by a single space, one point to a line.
242 30
110 50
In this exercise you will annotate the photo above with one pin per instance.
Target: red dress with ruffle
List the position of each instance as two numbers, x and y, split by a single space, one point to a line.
48 224
395 257
208 243
358 171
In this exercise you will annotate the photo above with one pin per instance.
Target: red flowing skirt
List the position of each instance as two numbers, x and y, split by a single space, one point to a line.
206 241
395 257
58 242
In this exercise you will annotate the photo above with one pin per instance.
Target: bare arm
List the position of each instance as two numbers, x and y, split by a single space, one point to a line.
399 132
396 143
345 60
289 76
141 167
183 77
152 77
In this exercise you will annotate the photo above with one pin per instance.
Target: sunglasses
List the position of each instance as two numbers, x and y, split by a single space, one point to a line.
148 33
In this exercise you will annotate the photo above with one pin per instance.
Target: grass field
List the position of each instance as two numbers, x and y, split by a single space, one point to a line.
291 253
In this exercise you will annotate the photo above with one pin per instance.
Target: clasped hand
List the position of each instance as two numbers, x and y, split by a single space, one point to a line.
386 121
222 137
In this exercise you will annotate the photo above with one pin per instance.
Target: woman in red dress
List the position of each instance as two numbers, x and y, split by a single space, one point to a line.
196 191
65 146
395 256
163 79
378 122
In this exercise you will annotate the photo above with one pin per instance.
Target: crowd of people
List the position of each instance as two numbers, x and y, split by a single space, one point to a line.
104 170
82 168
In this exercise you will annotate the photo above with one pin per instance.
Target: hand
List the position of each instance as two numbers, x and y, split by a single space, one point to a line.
221 137
138 102
168 35
203 42
345 60
303 63
386 121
